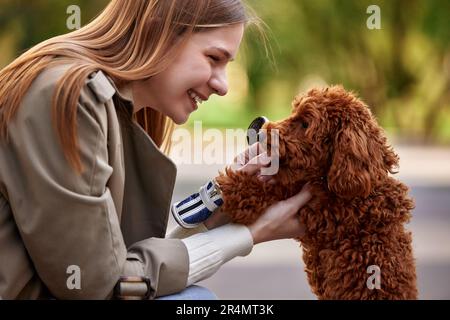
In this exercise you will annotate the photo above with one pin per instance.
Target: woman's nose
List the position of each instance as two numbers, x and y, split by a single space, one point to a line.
219 84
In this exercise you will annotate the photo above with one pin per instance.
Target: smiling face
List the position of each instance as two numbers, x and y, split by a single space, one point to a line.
197 72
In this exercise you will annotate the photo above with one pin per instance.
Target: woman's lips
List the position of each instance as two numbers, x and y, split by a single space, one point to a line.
193 102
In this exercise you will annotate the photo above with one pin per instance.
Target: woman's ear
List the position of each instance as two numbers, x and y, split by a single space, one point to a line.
350 175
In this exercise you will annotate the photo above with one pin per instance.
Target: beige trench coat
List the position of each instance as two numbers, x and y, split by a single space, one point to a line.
108 222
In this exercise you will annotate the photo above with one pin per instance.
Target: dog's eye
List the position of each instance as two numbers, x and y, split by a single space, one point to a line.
304 125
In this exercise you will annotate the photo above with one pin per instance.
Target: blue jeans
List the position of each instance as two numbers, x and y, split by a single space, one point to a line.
191 293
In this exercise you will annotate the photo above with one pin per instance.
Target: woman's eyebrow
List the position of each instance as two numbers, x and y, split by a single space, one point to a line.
224 52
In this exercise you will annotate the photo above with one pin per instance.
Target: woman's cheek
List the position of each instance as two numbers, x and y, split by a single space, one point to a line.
204 72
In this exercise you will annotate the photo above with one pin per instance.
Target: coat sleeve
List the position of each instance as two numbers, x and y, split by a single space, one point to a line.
68 222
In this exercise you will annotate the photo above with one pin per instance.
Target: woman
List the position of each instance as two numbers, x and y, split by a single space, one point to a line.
84 189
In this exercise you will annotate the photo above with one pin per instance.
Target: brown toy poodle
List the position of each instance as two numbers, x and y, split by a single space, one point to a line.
355 221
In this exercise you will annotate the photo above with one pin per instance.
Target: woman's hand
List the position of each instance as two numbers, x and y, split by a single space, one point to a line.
217 219
280 221
252 160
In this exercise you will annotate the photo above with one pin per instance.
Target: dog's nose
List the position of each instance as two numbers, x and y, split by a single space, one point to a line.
254 130
262 136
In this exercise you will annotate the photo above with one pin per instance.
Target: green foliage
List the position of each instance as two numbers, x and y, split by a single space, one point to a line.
38 20
402 70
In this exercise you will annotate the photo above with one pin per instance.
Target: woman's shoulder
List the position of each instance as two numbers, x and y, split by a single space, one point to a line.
96 90
45 84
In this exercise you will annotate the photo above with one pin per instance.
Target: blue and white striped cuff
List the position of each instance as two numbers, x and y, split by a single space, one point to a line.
198 207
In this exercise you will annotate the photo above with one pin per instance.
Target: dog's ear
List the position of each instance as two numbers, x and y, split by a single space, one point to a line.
349 175
361 158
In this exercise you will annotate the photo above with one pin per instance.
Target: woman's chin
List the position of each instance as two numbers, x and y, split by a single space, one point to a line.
180 119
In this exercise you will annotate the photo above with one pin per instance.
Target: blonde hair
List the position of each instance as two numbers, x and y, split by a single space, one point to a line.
130 40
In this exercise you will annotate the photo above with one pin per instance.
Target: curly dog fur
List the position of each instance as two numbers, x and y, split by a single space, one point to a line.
357 215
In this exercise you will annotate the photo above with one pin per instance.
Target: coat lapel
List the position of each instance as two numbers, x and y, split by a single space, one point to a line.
149 182
143 177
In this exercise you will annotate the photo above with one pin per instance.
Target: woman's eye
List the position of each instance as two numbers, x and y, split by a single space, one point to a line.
214 58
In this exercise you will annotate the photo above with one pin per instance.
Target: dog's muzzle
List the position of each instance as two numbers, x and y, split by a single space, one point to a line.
254 133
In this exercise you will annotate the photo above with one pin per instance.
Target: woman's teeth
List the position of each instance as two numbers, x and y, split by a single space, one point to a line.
195 97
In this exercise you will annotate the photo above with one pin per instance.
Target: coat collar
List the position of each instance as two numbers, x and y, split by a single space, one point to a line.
104 87
125 93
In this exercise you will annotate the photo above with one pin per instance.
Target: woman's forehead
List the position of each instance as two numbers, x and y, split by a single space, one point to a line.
226 39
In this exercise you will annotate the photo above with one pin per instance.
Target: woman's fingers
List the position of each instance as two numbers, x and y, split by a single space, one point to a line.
265 178
300 199
249 153
255 164
251 160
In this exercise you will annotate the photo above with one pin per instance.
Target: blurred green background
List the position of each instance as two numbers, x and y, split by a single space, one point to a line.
402 70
